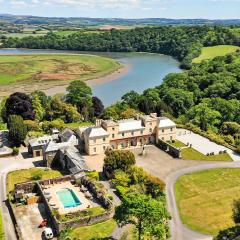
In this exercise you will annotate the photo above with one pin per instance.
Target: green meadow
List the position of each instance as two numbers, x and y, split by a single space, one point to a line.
215 51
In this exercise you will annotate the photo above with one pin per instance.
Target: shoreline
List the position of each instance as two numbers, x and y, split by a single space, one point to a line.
93 82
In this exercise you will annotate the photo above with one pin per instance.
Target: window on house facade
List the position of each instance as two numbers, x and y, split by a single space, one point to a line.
132 133
122 145
95 149
122 134
163 138
150 130
113 129
113 135
171 138
150 124
171 129
113 147
104 148
104 139
141 131
163 130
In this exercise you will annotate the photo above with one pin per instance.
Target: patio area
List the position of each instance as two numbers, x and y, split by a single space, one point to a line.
50 193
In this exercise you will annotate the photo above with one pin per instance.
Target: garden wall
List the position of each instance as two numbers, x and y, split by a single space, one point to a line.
175 152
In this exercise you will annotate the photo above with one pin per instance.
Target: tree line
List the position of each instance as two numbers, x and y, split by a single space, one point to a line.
207 97
182 42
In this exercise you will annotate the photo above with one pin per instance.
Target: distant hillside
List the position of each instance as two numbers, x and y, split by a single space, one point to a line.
85 22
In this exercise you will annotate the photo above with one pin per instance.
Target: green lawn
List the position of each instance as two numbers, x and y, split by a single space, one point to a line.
193 154
1 227
76 125
212 52
96 231
205 199
25 175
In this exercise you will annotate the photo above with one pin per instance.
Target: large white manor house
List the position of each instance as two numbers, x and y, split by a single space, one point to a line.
127 133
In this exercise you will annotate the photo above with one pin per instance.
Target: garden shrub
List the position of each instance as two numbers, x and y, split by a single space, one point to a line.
121 191
36 176
137 175
229 234
121 178
155 187
93 175
15 151
32 125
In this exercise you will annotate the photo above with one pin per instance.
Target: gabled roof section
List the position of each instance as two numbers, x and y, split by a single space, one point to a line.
53 147
92 132
166 122
130 125
66 134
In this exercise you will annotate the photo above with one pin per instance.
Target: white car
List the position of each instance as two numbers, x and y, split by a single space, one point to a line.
48 233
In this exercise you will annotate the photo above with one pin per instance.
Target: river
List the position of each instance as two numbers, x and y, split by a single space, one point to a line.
145 71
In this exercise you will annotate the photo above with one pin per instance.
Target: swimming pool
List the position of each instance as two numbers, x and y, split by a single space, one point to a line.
68 198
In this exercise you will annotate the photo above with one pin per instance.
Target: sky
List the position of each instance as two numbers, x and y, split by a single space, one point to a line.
211 9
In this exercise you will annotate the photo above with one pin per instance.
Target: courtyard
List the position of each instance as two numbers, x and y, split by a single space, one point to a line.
29 218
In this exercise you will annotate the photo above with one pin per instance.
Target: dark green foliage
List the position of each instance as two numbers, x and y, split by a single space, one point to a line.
80 95
182 42
98 107
17 130
19 104
154 186
232 233
118 160
15 151
149 216
236 211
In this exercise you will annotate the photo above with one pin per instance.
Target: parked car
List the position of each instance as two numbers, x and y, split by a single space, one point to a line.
48 233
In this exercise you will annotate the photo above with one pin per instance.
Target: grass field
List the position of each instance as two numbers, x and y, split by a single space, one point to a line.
205 199
1 227
20 176
193 154
96 231
212 52
45 68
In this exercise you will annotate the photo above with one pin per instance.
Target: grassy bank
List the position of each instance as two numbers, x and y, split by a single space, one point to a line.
32 69
1 227
96 231
31 174
212 52
205 199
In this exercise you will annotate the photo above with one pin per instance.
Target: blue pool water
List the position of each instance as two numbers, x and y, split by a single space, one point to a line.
68 198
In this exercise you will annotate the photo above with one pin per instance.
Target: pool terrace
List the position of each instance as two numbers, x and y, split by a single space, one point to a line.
50 192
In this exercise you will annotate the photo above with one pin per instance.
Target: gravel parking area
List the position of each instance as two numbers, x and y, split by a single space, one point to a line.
161 164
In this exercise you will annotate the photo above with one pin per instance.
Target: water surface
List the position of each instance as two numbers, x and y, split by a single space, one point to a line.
146 71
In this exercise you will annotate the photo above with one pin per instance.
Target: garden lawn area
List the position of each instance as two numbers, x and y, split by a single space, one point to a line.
31 174
192 154
76 125
205 199
212 52
96 231
31 69
1 227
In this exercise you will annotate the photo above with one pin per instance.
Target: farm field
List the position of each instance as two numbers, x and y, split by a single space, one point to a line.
205 199
32 71
212 52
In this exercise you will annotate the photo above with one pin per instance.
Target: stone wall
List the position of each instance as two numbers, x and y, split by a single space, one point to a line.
167 147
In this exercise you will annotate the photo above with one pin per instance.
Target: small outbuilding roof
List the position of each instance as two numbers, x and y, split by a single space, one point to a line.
41 141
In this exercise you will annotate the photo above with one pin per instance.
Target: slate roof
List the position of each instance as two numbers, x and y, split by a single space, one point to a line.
166 122
96 132
40 141
130 125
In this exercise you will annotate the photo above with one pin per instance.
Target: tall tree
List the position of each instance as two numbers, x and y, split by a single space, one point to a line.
17 130
20 104
98 107
149 215
37 106
80 95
